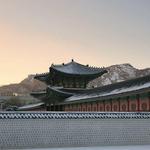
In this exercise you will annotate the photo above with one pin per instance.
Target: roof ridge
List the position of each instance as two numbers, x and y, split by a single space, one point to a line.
126 81
74 62
74 115
40 74
78 69
111 86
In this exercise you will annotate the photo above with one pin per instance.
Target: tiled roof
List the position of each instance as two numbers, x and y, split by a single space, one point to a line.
59 91
31 106
42 77
40 92
75 68
113 89
73 115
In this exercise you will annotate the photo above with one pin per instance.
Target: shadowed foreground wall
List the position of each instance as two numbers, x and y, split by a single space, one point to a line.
32 130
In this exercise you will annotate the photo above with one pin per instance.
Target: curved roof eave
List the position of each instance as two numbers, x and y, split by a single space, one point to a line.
31 106
116 89
77 69
107 97
57 91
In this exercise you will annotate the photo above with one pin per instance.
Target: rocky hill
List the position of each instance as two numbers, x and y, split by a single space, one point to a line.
116 73
24 87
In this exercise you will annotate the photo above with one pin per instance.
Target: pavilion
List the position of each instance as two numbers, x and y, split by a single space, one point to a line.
67 90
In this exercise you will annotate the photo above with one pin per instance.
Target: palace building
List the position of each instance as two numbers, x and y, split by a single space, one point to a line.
67 91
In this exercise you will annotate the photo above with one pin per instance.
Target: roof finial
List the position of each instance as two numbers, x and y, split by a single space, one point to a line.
72 60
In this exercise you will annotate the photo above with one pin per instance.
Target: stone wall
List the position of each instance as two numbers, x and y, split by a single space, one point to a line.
31 130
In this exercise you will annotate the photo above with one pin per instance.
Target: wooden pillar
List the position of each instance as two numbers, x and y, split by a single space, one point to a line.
53 81
85 83
119 103
138 102
54 106
88 106
81 106
68 83
58 108
97 106
48 107
62 107
62 81
74 82
104 105
110 104
149 99
144 102
128 103
115 105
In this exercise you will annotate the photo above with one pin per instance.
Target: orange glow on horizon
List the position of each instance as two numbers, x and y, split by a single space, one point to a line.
34 34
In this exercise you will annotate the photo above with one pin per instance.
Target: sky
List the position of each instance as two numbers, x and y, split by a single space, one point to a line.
36 33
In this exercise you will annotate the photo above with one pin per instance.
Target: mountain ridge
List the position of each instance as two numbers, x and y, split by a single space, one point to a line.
23 88
116 73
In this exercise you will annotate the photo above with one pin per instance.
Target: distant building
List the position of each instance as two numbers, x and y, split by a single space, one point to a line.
66 90
7 93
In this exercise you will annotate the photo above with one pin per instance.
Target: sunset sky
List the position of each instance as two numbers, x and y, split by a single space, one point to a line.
36 33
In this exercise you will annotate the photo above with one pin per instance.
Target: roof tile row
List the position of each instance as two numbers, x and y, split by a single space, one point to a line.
77 115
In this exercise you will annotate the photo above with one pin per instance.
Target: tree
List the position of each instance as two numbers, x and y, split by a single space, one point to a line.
13 101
